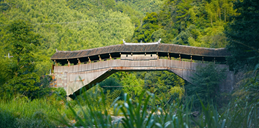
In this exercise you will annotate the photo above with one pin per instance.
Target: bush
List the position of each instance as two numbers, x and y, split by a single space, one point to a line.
60 93
7 120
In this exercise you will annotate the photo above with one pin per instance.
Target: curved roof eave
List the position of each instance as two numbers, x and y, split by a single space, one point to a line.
151 47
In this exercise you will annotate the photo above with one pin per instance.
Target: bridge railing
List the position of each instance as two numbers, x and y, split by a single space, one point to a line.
162 63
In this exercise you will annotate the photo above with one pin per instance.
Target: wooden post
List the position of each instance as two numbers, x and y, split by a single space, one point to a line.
180 57
145 54
89 59
191 58
214 60
157 55
52 68
110 56
99 57
131 54
56 64
169 58
79 62
68 62
202 59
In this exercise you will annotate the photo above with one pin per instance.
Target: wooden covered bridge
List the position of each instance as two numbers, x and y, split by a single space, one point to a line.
74 70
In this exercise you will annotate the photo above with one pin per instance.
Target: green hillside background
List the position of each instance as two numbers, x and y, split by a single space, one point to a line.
68 25
32 30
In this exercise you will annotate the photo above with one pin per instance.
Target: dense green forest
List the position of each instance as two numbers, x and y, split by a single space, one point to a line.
32 30
83 24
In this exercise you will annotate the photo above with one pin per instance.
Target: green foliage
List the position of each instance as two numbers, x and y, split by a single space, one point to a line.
111 84
19 111
132 86
4 75
246 101
7 119
249 86
211 118
137 116
83 24
242 35
144 113
145 31
205 85
252 86
165 85
93 111
143 6
96 112
71 25
188 22
22 44
59 93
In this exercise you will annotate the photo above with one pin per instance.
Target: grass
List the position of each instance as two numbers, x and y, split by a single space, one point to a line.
145 113
19 111
92 109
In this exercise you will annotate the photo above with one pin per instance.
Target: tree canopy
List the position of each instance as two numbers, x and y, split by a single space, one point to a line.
68 25
242 34
22 44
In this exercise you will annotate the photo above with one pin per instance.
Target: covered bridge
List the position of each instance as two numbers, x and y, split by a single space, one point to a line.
84 68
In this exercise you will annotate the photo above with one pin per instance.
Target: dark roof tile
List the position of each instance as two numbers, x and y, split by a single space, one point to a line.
171 48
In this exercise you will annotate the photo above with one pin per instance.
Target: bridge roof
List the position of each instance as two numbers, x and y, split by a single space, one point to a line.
138 48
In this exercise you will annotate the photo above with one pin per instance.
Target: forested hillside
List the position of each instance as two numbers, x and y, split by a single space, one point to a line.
31 31
68 25
74 24
187 22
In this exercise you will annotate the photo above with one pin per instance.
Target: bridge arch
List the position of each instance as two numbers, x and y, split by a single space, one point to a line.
87 67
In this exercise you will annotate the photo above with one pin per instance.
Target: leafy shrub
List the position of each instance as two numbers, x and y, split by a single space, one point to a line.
33 123
244 109
7 120
93 111
59 93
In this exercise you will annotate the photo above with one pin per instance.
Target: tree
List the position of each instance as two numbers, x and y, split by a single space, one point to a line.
111 84
243 33
165 85
132 85
149 26
205 84
22 44
3 70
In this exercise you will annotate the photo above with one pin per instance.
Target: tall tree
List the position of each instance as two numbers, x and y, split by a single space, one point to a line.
243 33
22 44
205 85
144 32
